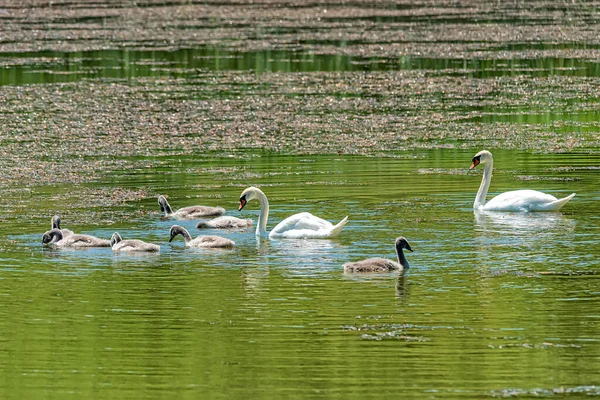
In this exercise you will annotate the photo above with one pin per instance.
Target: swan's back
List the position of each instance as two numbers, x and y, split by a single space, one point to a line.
526 200
211 241
306 225
135 245
79 240
193 212
225 222
373 265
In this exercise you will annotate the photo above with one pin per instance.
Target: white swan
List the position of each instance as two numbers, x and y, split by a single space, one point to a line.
191 212
382 264
208 241
298 226
55 237
516 200
131 245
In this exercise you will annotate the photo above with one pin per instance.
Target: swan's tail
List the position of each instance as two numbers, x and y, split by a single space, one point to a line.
338 228
558 204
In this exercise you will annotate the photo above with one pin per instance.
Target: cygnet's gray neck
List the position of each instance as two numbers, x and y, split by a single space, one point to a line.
401 258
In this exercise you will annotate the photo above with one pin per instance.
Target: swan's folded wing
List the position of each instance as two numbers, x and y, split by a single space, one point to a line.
302 222
193 212
520 200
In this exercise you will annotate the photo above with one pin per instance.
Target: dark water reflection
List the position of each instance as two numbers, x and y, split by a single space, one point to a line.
57 67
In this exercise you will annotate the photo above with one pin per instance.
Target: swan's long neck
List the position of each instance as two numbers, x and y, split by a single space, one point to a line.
185 234
261 227
168 209
485 185
401 258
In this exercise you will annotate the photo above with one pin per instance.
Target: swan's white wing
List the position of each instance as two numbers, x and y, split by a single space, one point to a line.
520 200
302 225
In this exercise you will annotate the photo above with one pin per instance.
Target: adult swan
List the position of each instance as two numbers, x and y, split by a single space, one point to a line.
516 200
298 226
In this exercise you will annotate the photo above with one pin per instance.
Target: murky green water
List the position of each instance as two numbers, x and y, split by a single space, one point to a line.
368 110
493 303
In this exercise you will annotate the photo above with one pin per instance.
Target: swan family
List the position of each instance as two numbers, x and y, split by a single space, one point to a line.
302 225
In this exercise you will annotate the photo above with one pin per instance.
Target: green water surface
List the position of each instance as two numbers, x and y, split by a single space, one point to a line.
494 305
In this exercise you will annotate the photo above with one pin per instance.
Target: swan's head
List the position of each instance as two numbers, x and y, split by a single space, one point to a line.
116 238
482 157
56 222
402 243
51 236
247 195
176 230
162 202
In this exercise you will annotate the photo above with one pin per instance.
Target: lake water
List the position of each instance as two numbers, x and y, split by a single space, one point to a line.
494 304
94 126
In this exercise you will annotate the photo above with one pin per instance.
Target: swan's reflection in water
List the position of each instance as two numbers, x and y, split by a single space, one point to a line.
402 286
510 240
401 283
531 224
302 256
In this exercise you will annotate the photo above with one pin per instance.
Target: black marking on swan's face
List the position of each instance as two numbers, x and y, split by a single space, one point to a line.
476 161
243 202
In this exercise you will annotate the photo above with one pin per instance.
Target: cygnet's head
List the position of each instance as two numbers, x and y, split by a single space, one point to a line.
482 157
247 195
53 235
176 230
402 243
162 201
116 238
56 222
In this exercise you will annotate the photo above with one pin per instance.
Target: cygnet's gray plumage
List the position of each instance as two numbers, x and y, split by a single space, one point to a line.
201 241
131 245
191 212
382 264
225 222
55 224
55 237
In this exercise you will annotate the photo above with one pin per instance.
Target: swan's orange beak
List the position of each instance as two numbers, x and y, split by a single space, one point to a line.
242 204
475 163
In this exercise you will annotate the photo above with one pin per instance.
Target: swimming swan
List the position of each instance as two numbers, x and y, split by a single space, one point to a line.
191 212
299 226
55 224
225 222
200 241
516 200
56 237
382 264
131 245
